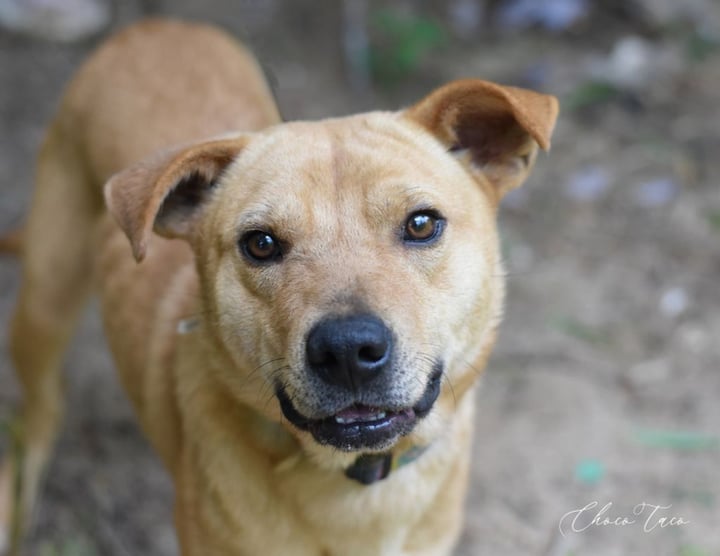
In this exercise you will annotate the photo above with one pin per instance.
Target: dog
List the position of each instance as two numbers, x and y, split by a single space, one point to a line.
298 311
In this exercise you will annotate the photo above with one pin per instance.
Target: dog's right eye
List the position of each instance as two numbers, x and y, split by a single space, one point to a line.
260 247
423 227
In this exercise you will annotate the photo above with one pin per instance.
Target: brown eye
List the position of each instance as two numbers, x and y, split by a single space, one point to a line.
260 246
423 227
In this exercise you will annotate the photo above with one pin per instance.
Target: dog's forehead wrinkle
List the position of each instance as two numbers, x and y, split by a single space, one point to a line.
339 171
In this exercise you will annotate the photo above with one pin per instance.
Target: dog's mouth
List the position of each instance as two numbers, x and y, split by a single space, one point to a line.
360 426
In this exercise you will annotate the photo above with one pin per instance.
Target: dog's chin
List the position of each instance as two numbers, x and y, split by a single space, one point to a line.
361 427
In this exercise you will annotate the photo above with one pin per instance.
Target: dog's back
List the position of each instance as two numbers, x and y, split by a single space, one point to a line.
154 85
174 82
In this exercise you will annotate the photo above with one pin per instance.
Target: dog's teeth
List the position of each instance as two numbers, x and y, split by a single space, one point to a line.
350 420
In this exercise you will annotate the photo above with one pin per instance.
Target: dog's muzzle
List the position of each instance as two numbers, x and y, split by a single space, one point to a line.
352 355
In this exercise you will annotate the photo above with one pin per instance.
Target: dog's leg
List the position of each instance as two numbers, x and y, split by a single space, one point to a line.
56 271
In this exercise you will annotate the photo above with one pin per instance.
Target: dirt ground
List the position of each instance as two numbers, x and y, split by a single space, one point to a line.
604 386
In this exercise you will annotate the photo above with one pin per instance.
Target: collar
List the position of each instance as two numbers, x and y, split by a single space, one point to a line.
370 468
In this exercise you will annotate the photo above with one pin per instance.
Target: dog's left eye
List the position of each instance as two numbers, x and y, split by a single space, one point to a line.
260 247
423 226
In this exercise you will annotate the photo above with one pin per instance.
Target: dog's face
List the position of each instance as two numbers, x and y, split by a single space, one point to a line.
351 264
350 267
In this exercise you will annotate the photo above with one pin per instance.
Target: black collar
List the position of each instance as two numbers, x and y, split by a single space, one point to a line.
370 468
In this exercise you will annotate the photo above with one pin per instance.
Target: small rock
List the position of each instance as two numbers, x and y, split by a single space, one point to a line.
537 75
629 63
666 13
694 337
588 184
656 193
56 20
554 15
636 63
674 302
466 16
647 373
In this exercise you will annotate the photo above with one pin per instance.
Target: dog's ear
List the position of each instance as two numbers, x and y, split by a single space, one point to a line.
166 192
500 128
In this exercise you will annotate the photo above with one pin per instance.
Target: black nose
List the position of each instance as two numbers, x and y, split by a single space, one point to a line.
349 351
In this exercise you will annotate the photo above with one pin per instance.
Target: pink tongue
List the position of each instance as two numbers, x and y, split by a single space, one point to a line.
357 412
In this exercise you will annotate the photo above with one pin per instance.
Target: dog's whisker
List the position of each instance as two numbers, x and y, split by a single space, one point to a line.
269 362
476 370
268 390
448 381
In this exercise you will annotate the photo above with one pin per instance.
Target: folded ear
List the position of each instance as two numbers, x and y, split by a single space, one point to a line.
166 192
500 128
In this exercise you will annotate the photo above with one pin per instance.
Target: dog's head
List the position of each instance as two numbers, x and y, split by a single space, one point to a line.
349 267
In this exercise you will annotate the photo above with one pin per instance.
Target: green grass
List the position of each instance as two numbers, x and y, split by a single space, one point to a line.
591 93
713 217
400 43
692 550
70 547
581 331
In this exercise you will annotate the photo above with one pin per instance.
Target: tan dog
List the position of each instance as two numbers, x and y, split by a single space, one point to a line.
304 360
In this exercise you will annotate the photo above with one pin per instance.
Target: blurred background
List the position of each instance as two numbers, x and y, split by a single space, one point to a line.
605 383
